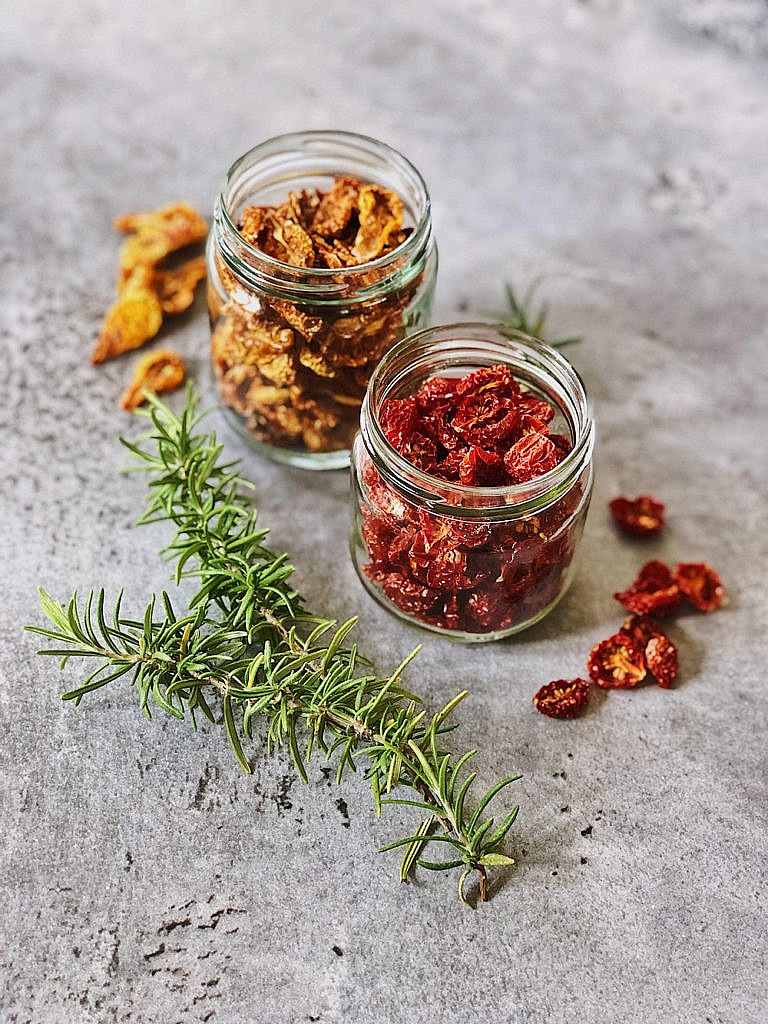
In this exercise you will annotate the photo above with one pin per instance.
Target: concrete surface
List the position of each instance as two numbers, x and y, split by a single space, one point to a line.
619 149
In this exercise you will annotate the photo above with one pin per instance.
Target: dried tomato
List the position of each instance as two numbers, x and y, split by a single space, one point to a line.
400 420
661 658
486 418
421 452
489 609
639 517
562 698
653 592
532 456
535 413
616 663
497 378
642 628
461 574
436 392
700 584
481 468
409 596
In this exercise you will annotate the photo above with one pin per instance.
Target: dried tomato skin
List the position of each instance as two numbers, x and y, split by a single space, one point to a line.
653 592
616 663
661 659
638 517
700 584
562 698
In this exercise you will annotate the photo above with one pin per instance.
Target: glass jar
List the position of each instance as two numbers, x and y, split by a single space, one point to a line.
293 347
473 563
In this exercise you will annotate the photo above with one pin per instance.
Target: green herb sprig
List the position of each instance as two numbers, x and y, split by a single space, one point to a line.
521 315
247 647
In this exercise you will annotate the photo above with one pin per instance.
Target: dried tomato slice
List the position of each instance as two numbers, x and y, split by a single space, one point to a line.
700 584
642 628
399 420
420 451
562 698
409 596
481 468
639 517
486 418
436 392
653 592
496 378
533 455
616 663
661 658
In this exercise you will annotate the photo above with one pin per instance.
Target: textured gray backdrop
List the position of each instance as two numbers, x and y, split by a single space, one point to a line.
619 149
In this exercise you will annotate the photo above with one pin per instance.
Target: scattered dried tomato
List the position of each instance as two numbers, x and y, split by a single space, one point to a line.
661 658
639 517
642 628
616 663
161 370
700 584
653 592
562 698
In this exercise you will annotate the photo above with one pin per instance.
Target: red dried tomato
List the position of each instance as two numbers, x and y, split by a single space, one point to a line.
661 658
481 468
435 392
616 663
411 597
399 420
641 628
653 592
489 378
562 443
486 419
700 584
420 452
530 405
463 574
639 517
562 698
533 455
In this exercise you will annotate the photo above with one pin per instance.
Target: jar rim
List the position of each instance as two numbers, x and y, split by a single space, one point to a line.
510 499
311 144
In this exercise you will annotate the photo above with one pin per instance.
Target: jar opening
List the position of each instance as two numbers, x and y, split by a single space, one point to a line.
452 351
268 172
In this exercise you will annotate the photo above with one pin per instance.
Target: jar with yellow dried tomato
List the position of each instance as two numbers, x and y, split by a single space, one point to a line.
321 257
472 475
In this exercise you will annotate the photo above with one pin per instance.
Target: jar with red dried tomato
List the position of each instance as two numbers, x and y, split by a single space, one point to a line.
320 258
472 475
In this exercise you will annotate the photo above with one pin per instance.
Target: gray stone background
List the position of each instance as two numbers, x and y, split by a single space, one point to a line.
617 148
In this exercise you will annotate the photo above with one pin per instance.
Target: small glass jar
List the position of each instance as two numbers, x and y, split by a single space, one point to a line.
472 563
293 347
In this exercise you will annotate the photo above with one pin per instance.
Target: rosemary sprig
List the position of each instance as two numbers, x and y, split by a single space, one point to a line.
521 316
247 646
